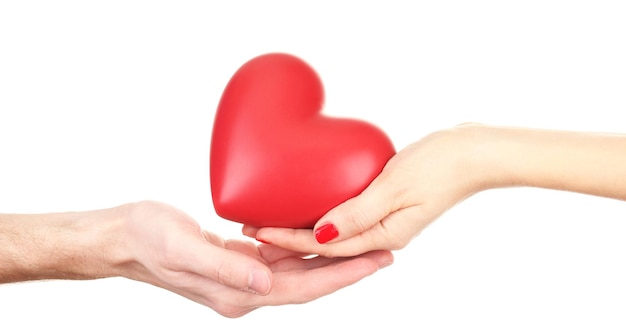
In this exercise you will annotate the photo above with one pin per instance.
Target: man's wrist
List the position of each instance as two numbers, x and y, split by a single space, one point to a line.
103 243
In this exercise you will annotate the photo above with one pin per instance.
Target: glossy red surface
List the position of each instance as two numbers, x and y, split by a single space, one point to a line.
275 159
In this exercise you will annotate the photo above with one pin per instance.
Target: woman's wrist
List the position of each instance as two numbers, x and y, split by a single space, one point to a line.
478 151
510 157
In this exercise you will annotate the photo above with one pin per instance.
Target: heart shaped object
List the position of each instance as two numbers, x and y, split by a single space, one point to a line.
275 159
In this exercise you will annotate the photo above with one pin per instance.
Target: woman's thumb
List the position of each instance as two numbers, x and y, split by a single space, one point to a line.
353 216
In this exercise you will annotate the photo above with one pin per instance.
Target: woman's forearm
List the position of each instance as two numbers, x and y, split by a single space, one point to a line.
583 162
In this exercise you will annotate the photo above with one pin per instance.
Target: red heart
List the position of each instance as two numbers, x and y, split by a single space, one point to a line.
275 159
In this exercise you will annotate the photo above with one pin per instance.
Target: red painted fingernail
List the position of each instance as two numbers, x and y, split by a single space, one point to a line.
326 233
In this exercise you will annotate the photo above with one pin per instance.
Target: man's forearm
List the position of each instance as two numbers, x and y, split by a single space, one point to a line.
56 246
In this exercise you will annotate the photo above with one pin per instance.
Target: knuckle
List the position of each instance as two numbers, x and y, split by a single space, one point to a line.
233 308
358 219
221 274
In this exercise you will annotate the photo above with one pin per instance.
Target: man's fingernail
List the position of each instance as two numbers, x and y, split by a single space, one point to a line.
326 233
262 241
385 264
259 282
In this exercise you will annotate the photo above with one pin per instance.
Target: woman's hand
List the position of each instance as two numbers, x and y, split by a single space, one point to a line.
430 176
415 187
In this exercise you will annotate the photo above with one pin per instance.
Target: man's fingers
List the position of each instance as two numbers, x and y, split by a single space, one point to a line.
228 267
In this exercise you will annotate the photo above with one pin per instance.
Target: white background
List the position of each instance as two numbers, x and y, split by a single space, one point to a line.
108 102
